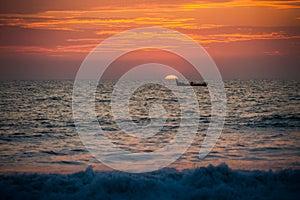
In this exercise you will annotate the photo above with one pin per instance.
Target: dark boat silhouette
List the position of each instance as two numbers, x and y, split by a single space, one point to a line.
198 84
190 84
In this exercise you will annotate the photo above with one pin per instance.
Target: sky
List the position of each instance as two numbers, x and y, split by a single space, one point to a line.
249 39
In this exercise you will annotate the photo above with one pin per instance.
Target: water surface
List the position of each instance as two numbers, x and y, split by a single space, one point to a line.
37 133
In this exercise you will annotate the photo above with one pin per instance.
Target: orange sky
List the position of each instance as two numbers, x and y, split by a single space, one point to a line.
246 38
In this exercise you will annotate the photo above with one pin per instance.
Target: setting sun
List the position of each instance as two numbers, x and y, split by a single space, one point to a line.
171 77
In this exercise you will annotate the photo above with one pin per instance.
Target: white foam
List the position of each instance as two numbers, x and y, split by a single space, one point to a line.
203 183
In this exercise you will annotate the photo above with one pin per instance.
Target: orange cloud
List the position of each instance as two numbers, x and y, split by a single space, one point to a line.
234 37
85 45
242 3
178 15
205 21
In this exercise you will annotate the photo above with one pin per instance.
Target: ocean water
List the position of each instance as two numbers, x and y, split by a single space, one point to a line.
37 131
201 183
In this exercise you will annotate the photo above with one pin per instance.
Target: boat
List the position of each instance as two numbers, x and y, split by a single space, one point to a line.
198 84
190 84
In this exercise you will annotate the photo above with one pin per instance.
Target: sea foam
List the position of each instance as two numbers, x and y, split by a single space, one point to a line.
210 182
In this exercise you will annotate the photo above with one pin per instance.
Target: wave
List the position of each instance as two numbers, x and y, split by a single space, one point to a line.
212 182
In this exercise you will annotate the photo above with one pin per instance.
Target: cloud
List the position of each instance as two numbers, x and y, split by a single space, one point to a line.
239 3
242 37
206 36
37 6
67 29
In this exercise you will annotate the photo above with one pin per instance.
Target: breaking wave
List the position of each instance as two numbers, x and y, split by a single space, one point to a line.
210 182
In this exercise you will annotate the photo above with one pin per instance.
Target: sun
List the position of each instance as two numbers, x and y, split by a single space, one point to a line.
171 77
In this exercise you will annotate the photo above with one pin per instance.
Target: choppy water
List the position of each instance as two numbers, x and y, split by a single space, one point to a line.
37 133
202 183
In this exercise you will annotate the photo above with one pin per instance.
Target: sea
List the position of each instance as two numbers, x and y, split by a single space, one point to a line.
259 144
